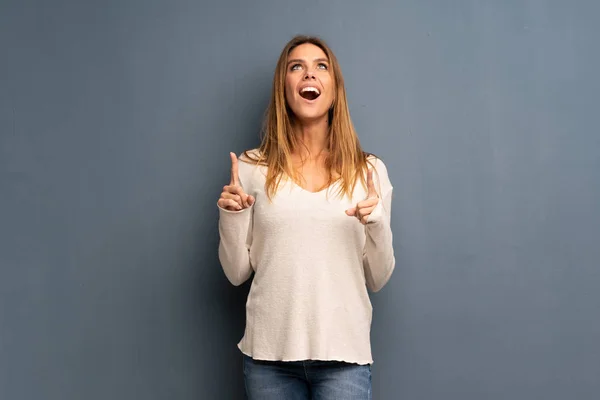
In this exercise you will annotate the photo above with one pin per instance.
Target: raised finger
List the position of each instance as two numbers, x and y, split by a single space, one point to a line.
235 178
372 193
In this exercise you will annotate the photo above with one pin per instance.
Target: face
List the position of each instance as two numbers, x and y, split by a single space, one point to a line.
309 85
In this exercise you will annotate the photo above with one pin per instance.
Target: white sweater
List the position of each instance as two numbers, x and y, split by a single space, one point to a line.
312 265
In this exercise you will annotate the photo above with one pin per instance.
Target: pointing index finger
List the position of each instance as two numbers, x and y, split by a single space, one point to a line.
372 193
235 178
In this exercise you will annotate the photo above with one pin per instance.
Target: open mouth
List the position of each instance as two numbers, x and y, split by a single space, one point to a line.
309 93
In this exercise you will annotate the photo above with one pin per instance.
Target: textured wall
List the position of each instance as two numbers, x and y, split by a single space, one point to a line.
116 119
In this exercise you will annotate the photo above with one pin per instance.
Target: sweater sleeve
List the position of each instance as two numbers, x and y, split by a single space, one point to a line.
378 257
235 239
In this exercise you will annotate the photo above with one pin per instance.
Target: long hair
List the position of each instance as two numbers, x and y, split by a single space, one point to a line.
346 162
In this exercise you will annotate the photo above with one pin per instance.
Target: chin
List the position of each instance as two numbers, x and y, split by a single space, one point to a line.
310 115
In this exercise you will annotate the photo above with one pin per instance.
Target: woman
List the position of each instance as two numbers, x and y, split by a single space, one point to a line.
309 214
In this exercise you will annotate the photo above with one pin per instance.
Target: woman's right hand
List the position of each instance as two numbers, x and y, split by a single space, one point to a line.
233 197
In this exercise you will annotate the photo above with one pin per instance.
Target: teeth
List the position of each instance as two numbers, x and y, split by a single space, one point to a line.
310 89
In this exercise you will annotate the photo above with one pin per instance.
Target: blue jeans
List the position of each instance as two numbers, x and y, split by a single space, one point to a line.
302 380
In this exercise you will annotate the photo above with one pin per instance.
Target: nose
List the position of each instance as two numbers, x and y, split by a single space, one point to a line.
309 75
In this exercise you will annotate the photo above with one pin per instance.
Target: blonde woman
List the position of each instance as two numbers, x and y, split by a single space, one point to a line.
308 213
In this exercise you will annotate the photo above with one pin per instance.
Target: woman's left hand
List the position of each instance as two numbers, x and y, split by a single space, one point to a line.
364 208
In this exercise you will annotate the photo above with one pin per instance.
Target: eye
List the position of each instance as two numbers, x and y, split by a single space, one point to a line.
322 66
295 67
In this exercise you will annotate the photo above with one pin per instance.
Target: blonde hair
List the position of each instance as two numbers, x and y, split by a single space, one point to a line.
346 159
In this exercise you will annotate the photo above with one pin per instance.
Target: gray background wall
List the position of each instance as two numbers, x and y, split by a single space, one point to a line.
116 120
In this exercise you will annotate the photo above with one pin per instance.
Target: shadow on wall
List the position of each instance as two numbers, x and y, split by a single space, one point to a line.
220 320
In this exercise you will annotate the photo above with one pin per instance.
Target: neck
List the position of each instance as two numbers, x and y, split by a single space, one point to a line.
313 136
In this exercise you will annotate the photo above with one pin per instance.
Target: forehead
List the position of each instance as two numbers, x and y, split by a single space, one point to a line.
307 51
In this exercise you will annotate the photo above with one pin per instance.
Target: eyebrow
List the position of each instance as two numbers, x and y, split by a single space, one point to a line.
297 60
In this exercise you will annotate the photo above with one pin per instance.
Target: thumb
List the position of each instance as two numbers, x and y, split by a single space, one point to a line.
250 200
351 212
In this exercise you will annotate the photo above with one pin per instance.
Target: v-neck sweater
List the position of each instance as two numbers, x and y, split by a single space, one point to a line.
312 266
